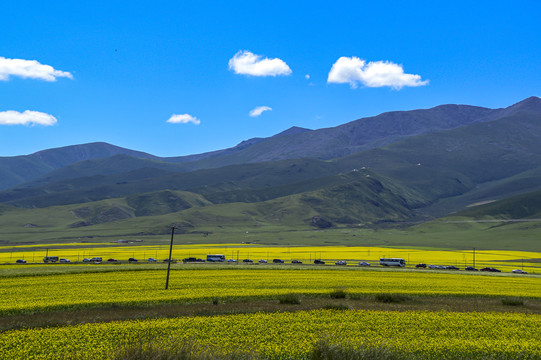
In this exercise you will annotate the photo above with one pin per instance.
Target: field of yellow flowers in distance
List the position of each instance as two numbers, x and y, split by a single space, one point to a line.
530 261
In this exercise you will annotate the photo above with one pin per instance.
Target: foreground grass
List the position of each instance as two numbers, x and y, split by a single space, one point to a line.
296 335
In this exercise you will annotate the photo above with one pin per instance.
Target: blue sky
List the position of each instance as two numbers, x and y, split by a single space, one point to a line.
120 70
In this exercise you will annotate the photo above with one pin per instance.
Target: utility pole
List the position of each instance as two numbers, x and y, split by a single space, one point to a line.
169 260
474 258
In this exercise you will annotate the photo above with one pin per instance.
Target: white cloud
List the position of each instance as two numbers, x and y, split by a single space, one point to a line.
247 63
259 110
29 69
307 76
353 71
27 117
183 119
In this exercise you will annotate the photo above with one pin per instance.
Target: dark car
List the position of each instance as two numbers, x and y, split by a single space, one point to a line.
21 261
278 261
470 268
296 262
248 261
112 260
189 259
170 260
423 266
490 269
451 267
318 261
133 260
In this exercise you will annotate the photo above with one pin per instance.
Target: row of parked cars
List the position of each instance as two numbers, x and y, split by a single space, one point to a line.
467 268
98 260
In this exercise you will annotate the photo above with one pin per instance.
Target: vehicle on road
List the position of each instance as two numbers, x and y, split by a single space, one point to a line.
52 259
111 260
247 261
152 260
518 271
470 268
133 260
278 261
64 261
363 263
451 267
231 260
319 262
433 266
296 262
341 262
262 261
421 266
215 258
21 261
96 259
85 260
490 269
392 262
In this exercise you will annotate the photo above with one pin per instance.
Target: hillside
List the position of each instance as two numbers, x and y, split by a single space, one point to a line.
519 207
355 200
20 169
478 159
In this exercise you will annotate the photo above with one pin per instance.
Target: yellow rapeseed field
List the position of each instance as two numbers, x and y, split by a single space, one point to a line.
428 335
189 284
76 252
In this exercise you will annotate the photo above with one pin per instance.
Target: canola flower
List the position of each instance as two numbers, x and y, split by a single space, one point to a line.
461 258
429 335
189 284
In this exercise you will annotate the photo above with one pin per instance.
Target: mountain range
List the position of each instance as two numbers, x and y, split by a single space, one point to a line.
394 167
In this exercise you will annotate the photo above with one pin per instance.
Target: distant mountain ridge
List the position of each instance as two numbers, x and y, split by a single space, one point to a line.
412 166
368 133
19 169
329 143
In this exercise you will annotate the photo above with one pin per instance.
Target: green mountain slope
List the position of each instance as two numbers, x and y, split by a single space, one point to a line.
20 169
236 177
359 199
522 206
453 162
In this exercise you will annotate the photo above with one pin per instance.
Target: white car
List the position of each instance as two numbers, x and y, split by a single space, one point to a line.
152 260
262 261
518 271
231 260
64 261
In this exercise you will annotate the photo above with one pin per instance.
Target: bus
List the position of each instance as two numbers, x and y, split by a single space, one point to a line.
392 262
216 258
